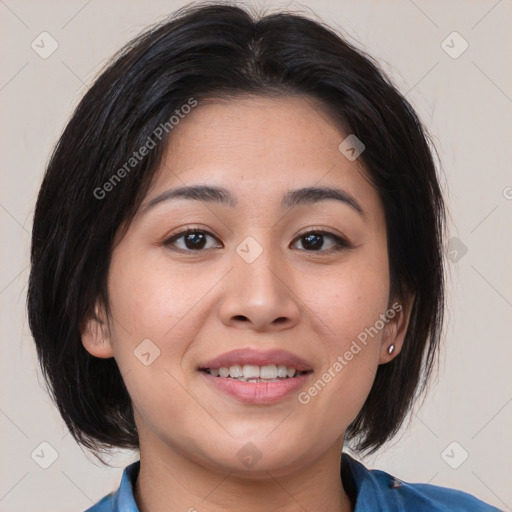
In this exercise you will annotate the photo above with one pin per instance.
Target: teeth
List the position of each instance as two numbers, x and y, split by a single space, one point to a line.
252 371
268 372
236 371
282 371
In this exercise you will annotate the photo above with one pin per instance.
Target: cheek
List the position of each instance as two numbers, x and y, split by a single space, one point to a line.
352 299
152 299
349 305
149 296
153 319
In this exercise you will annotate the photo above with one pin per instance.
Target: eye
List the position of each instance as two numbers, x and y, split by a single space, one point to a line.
193 239
313 241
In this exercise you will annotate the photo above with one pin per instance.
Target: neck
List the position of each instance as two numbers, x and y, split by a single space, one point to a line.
170 481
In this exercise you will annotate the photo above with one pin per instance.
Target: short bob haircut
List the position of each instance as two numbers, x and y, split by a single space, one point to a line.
209 51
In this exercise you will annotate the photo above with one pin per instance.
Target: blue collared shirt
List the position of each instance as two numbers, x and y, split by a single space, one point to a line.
371 490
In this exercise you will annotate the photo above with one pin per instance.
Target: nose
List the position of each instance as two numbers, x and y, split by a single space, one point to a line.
260 295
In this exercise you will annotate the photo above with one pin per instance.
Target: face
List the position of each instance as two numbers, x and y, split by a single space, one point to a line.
270 278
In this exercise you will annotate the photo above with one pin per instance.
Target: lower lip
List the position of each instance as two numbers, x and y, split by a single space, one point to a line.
257 392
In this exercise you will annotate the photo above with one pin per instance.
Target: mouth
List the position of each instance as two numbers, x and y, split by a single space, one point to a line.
255 377
255 373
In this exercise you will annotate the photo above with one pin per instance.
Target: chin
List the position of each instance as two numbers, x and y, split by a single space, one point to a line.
256 456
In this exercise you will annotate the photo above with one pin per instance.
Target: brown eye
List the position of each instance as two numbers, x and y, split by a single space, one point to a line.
193 240
196 240
314 241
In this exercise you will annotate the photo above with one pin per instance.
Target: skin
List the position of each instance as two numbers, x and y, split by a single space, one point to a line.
197 305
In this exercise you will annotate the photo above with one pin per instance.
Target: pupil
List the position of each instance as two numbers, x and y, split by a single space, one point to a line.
197 241
314 245
194 245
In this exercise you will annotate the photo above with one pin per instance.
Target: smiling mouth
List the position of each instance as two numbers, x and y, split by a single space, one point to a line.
255 373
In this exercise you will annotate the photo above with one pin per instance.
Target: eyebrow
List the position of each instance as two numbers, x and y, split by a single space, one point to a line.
296 197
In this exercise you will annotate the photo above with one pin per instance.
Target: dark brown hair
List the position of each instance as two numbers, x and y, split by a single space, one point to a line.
219 51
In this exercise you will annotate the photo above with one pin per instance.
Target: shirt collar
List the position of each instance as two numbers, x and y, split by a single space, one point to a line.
368 489
365 488
124 498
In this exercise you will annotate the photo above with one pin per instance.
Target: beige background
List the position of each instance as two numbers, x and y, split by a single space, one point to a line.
466 103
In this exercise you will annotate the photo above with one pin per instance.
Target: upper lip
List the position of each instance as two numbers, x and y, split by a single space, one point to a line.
244 356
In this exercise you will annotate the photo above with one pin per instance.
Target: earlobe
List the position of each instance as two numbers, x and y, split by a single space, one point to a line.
95 336
396 329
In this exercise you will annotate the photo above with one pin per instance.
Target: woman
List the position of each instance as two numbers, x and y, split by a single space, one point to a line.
237 268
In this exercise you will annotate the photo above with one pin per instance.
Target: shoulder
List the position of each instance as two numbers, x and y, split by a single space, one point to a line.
106 504
426 497
378 490
123 499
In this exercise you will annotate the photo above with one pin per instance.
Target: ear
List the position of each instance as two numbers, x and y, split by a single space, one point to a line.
398 315
95 334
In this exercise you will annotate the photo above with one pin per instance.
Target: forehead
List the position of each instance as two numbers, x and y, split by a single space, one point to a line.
261 147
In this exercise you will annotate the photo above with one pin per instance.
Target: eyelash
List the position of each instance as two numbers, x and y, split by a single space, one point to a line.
341 243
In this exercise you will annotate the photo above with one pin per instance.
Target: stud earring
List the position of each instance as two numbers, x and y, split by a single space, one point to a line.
391 349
